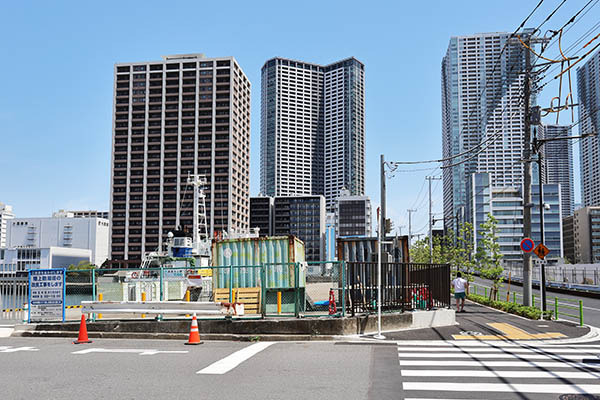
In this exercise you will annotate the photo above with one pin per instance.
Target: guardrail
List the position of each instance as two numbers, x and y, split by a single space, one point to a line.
160 307
517 298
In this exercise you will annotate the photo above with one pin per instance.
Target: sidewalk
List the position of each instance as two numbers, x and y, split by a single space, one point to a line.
484 323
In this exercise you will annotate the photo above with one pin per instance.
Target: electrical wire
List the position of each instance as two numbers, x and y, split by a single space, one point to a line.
481 93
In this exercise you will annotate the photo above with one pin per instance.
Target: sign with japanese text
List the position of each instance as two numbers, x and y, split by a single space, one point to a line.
47 294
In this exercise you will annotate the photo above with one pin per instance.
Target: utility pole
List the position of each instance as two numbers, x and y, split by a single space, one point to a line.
410 211
431 178
527 267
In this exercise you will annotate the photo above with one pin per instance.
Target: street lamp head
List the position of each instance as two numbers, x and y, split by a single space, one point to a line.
546 206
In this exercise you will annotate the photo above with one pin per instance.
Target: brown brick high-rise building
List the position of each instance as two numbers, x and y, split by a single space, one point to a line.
183 115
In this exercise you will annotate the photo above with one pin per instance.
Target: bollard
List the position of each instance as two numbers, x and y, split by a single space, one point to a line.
233 295
485 292
278 302
508 294
143 299
532 300
475 289
100 297
515 297
580 312
187 298
556 308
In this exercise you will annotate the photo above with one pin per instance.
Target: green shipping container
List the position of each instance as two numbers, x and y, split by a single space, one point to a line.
278 255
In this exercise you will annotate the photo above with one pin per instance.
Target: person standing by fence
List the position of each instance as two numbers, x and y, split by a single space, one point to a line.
461 289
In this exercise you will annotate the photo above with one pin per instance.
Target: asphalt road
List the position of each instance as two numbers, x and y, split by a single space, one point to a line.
591 306
45 368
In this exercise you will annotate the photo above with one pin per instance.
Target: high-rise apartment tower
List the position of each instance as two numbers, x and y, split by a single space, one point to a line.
482 110
558 163
588 87
186 114
312 128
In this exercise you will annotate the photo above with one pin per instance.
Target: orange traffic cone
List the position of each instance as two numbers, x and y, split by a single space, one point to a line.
83 335
194 333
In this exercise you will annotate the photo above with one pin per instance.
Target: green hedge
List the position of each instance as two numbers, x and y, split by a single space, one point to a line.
512 308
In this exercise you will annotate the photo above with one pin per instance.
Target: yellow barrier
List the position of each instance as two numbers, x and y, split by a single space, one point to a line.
100 297
143 299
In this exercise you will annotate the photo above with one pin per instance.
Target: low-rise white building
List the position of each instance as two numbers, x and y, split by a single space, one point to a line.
72 233
5 215
15 260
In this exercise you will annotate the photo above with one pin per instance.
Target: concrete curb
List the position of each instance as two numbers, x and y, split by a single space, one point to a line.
303 329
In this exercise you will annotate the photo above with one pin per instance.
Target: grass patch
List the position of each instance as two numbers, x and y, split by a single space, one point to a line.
512 308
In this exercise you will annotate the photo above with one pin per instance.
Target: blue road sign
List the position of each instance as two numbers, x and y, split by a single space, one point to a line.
527 245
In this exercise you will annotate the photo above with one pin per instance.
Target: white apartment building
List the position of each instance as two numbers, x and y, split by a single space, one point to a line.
558 163
312 128
6 214
482 109
73 233
588 88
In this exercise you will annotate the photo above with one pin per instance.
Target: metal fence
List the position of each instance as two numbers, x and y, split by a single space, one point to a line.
268 290
563 275
13 298
404 286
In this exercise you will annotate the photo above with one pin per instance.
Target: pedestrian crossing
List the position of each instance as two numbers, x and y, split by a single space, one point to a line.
497 370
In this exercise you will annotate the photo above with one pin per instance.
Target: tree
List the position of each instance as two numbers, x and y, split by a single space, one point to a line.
82 265
488 256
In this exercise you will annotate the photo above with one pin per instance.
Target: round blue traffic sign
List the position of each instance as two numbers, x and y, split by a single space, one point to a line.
527 245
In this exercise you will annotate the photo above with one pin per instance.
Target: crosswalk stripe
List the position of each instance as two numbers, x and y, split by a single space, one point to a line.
510 350
499 374
501 387
484 343
490 355
455 363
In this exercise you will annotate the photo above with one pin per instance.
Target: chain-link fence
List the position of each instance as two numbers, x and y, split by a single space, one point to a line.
325 288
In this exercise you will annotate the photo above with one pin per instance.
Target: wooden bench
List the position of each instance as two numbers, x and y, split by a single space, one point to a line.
250 297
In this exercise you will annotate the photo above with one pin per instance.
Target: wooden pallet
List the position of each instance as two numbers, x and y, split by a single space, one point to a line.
250 297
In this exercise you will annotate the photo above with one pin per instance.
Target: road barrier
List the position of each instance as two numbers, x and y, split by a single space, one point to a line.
157 307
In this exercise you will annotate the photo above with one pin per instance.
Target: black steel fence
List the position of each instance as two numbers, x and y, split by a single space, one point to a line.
404 286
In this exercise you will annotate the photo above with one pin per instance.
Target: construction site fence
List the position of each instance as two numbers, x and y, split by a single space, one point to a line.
13 298
404 286
269 289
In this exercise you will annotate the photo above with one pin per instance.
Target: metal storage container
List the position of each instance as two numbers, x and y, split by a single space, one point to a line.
278 255
365 249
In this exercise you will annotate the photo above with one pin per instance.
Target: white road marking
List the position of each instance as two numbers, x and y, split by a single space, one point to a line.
489 355
537 350
141 352
543 364
15 349
233 360
501 387
500 374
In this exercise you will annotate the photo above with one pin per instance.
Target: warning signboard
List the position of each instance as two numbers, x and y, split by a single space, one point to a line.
47 294
541 251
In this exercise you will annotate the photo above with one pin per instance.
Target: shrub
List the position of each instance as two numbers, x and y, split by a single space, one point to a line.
512 308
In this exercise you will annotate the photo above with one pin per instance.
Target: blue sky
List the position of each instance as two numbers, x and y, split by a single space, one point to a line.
57 69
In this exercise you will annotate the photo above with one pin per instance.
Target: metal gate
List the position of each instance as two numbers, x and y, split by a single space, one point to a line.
13 298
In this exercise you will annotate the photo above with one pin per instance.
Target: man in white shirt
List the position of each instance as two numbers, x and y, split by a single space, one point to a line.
461 289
